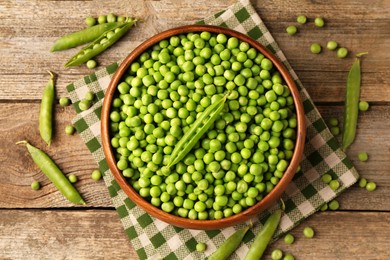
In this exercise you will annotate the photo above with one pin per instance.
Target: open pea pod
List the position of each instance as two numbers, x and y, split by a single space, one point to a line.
197 130
81 37
107 39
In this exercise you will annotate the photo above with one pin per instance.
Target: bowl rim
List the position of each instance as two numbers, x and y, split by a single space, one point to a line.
178 221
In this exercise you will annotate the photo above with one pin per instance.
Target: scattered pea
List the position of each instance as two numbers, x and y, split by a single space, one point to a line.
333 205
200 247
289 239
335 130
334 184
291 30
324 207
326 178
64 101
72 178
90 21
69 129
96 175
84 104
333 121
111 18
315 48
332 45
277 254
91 64
102 19
342 52
319 22
362 182
301 19
371 186
363 105
362 156
35 185
308 232
89 96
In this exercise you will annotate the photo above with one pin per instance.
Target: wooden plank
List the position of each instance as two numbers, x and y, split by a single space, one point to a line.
323 75
20 121
98 234
58 234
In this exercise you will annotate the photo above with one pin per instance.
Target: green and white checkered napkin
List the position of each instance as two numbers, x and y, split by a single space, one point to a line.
152 238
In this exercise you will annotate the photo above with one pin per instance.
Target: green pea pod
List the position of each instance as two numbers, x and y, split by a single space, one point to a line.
55 175
46 111
81 37
351 103
97 47
229 245
264 237
197 130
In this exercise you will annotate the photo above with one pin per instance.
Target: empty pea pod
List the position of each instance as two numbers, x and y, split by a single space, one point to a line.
197 130
351 105
55 175
101 44
46 111
81 37
229 245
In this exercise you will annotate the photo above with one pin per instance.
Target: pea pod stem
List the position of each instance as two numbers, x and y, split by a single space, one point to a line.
46 111
263 238
83 36
351 103
55 175
230 245
96 47
196 131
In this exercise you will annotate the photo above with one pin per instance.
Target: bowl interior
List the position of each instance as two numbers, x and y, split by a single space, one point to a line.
250 212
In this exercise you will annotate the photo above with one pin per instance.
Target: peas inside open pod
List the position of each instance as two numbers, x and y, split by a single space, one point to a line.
202 127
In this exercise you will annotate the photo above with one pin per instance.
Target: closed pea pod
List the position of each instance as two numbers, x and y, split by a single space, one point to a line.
81 37
197 130
46 111
351 105
229 245
55 175
101 43
264 237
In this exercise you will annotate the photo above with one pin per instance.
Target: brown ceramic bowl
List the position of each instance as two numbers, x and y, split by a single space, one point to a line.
245 215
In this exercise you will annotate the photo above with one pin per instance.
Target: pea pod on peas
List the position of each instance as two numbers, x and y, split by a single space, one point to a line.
99 45
351 106
55 175
46 111
81 37
197 130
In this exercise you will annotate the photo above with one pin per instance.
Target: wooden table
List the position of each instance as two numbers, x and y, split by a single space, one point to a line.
43 225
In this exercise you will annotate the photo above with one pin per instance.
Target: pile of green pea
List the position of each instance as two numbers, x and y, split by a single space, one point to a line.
241 157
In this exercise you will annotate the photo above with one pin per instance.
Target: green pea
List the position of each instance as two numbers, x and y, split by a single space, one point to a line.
200 247
69 129
276 254
291 30
362 156
64 101
342 52
333 205
319 22
91 64
301 19
371 186
363 105
96 175
90 21
289 239
35 185
332 45
308 232
315 48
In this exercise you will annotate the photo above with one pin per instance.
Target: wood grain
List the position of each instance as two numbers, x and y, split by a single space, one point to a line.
97 234
63 234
